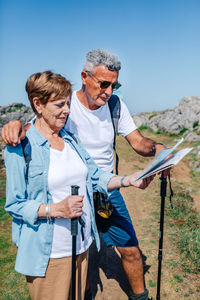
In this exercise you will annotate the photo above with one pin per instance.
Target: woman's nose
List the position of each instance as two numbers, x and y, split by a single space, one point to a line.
67 108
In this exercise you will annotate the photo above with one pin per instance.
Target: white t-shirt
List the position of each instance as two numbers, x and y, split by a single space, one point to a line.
66 168
95 130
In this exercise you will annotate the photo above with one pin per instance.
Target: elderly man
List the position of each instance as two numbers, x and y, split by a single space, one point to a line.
90 118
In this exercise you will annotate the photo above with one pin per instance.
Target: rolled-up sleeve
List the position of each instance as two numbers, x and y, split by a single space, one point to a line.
17 203
103 179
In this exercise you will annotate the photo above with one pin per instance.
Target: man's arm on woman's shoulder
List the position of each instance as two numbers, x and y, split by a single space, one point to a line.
13 132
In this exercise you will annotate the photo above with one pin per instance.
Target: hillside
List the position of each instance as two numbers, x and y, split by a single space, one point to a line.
180 272
181 256
181 259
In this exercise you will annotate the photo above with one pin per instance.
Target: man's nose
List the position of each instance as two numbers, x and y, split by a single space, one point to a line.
109 90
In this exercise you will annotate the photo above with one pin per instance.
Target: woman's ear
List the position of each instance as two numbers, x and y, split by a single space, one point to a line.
37 105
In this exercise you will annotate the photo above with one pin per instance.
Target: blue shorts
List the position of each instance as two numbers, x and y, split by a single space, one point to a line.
118 229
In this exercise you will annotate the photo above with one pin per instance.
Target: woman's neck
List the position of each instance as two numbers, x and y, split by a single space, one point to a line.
51 134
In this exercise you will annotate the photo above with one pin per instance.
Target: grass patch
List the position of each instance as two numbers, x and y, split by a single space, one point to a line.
187 231
143 127
151 283
152 116
178 278
158 131
13 285
183 130
173 263
15 109
146 128
196 123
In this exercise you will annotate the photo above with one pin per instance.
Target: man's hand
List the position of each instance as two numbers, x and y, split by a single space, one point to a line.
12 133
160 147
145 146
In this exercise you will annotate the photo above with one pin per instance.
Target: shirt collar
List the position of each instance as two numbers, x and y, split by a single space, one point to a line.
37 136
40 139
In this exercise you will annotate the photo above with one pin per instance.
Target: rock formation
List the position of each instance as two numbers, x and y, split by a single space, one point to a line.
185 117
15 111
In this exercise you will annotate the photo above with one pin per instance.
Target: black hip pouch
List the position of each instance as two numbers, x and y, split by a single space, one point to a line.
103 205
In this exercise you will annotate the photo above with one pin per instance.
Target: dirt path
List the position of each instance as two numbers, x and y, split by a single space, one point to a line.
106 274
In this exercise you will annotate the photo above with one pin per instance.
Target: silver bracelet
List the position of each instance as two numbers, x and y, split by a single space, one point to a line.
48 214
122 181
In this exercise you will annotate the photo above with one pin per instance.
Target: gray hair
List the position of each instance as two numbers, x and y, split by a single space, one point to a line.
98 57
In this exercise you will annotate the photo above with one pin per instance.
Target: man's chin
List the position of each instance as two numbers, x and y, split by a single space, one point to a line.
102 102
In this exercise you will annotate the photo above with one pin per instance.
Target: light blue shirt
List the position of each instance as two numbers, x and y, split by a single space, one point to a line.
31 235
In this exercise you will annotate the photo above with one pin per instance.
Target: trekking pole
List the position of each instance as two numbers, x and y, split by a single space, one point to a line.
74 233
163 188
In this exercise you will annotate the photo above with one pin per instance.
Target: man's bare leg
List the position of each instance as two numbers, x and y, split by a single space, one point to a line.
133 267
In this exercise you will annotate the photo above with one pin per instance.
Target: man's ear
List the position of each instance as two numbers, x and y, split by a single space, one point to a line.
84 76
37 105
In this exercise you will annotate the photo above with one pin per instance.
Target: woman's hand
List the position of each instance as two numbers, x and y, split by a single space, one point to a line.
126 181
142 183
70 207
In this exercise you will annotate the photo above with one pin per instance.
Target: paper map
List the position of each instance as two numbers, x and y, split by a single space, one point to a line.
162 162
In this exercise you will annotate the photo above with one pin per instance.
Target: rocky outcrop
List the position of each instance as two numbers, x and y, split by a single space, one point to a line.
184 117
15 111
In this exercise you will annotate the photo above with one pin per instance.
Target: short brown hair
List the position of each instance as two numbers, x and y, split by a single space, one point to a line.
45 85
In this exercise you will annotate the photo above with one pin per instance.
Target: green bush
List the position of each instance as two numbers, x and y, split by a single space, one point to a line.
142 127
15 109
196 123
158 131
183 130
153 115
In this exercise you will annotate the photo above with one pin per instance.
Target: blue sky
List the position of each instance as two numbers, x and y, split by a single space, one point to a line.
157 42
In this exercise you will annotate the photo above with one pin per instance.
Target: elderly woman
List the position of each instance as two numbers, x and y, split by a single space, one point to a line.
42 205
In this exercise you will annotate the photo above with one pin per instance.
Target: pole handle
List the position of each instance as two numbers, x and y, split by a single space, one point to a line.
74 189
163 186
74 221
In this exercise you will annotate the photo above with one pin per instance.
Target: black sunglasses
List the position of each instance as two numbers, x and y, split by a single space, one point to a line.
105 84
